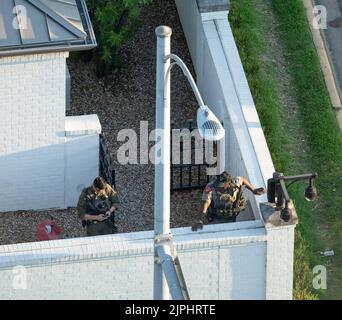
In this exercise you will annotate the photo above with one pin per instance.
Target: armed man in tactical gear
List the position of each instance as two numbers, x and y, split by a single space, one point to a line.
223 199
96 207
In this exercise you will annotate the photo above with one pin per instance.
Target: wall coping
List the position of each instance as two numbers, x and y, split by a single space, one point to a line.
129 244
205 6
82 125
271 216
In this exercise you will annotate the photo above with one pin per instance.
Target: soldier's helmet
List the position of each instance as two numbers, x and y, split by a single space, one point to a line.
222 179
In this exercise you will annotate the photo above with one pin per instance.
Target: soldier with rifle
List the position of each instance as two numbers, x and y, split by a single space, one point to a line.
223 199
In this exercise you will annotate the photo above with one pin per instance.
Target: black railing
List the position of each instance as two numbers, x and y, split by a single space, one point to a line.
106 164
190 175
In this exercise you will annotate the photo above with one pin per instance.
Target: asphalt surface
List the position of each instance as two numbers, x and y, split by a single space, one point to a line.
332 36
340 4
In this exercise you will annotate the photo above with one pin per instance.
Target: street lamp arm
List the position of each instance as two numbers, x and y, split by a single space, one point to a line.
300 177
179 62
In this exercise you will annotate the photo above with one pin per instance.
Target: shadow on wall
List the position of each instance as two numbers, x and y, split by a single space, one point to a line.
48 177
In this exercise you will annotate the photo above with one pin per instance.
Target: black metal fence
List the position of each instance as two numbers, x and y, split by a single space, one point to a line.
184 176
190 175
106 164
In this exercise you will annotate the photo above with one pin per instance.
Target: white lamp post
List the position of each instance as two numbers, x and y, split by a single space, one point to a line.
209 127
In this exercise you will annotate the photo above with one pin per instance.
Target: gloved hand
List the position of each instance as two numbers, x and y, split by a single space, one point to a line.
197 225
259 191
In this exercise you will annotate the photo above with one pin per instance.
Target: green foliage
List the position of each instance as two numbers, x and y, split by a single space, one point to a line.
245 26
320 222
114 22
249 33
302 280
321 126
320 120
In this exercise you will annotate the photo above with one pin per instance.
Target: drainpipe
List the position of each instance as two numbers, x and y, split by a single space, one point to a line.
167 263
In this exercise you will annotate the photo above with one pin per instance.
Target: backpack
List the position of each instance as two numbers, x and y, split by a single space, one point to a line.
227 204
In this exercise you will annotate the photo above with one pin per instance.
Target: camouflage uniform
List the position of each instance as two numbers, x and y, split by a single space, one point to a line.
97 203
223 205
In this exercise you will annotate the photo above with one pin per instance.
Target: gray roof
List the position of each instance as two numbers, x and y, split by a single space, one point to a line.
33 26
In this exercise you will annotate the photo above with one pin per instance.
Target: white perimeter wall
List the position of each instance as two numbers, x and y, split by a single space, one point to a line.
223 85
35 154
225 261
82 155
243 260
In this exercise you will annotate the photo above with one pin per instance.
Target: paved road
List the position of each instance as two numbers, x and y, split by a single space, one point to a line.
333 37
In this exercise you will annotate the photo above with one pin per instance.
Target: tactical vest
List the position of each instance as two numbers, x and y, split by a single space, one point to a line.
97 204
224 203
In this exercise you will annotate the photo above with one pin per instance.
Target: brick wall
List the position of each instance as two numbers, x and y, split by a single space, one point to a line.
32 109
37 166
279 279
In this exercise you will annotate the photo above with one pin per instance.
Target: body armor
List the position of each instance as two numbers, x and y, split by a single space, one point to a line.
227 203
97 203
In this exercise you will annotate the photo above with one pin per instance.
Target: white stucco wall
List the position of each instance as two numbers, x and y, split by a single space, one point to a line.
37 165
82 155
226 261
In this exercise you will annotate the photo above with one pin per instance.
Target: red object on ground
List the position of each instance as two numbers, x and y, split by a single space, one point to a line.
48 230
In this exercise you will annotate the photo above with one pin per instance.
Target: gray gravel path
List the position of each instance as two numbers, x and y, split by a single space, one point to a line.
21 226
121 101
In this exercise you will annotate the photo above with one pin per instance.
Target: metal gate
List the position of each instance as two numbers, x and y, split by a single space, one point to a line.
106 164
190 175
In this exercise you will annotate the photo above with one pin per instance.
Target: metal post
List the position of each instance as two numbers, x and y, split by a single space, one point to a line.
167 263
162 169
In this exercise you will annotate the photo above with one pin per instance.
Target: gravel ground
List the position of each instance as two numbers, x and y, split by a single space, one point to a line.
21 226
121 101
